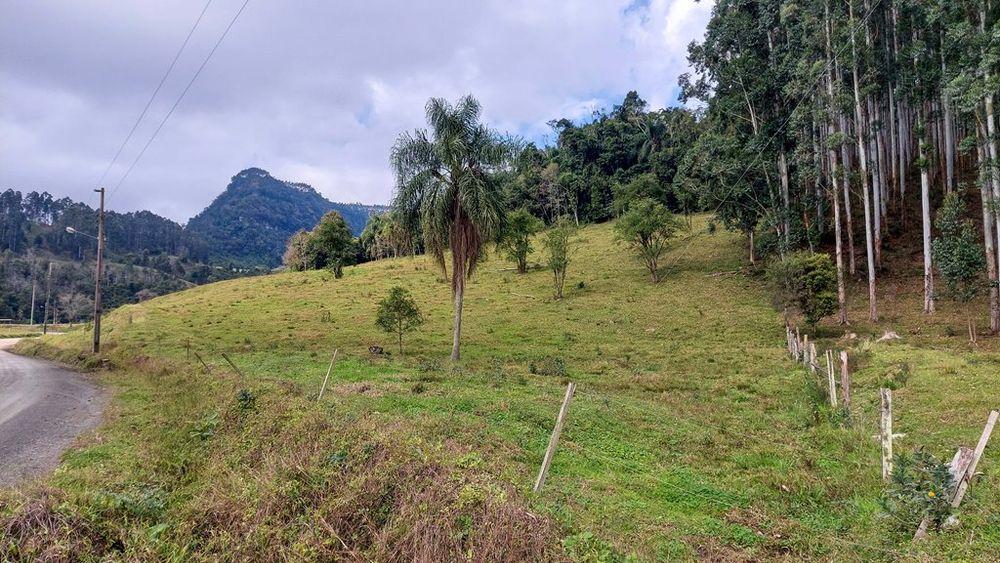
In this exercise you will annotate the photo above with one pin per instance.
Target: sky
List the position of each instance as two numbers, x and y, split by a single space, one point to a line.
313 91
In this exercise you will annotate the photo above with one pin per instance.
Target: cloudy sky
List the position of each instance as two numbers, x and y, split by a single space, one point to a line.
311 90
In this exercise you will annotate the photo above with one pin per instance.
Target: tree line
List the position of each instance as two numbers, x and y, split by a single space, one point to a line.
838 121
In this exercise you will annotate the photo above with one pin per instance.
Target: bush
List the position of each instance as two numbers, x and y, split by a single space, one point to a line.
804 282
919 487
646 228
398 314
515 242
558 243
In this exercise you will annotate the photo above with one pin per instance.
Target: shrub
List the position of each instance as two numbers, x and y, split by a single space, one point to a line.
558 243
919 487
398 314
804 282
646 227
515 241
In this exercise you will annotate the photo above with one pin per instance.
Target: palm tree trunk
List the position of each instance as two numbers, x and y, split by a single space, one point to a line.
457 336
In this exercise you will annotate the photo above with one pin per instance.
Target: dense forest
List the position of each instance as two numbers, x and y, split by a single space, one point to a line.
146 255
849 123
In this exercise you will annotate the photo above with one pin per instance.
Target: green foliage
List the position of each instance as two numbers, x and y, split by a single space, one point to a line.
549 365
515 241
647 227
452 178
251 221
957 251
558 243
804 282
920 487
328 245
398 313
643 186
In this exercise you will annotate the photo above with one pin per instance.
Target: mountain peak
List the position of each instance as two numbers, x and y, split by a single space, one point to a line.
253 175
252 219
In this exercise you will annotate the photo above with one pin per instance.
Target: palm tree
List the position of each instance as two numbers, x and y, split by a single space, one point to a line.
449 176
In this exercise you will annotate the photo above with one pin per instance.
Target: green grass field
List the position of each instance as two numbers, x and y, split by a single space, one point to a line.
692 435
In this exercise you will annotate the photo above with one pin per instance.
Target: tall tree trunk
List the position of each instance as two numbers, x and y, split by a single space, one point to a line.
834 185
848 210
925 212
863 160
991 142
986 194
785 197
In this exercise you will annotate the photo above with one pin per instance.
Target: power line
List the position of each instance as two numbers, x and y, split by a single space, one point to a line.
179 98
152 97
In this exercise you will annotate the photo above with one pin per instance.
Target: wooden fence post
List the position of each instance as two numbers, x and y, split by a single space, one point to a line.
232 365
554 439
991 421
830 380
328 370
805 350
885 431
845 381
812 356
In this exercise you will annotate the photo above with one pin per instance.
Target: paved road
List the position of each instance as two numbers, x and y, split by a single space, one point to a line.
43 408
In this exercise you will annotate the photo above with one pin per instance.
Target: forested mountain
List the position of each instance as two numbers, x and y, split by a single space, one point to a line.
243 232
252 220
146 255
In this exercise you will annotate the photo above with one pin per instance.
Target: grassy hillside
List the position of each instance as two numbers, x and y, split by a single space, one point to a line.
691 435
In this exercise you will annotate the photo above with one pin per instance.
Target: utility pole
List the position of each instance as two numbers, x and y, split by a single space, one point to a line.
48 289
31 321
97 274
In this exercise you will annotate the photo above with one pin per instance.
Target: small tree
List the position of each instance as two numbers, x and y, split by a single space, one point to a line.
558 244
515 241
647 227
958 255
296 252
804 282
331 244
398 314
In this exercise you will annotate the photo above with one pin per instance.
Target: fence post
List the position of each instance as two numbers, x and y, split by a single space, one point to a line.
805 350
328 370
845 381
812 356
991 421
554 439
830 380
885 431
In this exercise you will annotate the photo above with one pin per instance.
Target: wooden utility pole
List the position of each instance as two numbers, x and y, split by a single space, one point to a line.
31 318
48 290
97 274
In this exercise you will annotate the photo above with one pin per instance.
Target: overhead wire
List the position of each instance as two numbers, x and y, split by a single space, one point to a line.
152 97
180 97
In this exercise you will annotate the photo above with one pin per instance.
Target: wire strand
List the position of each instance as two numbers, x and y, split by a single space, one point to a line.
179 99
152 97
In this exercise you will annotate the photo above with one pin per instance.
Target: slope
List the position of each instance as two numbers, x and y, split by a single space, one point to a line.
691 435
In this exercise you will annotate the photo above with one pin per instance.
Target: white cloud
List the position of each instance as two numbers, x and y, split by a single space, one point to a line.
313 91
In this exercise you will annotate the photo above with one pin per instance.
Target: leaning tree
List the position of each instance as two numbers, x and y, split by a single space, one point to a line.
451 177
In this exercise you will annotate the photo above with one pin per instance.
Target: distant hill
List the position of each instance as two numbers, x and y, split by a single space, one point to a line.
252 220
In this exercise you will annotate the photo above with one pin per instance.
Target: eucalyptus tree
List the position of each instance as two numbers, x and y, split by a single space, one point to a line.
451 176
